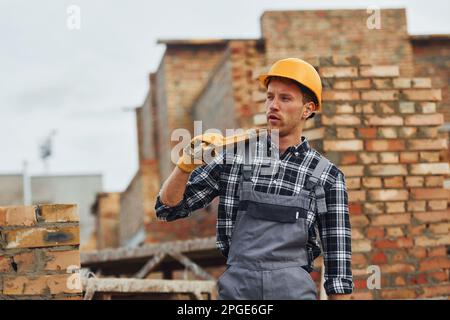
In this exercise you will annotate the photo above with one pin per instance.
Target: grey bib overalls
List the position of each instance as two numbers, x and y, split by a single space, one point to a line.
268 243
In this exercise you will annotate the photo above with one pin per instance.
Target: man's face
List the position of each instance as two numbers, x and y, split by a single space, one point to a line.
284 106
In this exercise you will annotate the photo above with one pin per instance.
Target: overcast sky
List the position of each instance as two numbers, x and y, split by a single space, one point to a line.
81 82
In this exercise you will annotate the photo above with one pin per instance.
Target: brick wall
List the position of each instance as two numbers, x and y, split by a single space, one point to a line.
338 33
183 73
131 203
150 188
162 120
227 99
245 57
137 202
432 60
153 153
147 116
140 131
107 220
39 252
215 105
148 168
136 206
131 210
381 130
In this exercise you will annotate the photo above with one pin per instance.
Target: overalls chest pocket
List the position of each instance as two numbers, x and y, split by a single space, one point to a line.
277 212
281 214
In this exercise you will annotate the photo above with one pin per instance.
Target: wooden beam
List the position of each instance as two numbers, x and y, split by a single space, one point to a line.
127 268
124 285
148 267
146 251
89 288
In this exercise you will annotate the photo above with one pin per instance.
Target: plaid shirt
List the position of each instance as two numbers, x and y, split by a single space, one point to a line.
221 177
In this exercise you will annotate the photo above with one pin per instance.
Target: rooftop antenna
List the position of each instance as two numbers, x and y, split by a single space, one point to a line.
46 150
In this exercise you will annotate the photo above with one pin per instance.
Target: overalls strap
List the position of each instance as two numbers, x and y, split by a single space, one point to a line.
247 167
315 186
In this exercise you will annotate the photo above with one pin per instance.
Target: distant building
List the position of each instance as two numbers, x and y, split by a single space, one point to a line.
76 189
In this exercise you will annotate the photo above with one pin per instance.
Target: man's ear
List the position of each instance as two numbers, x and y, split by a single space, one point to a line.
308 110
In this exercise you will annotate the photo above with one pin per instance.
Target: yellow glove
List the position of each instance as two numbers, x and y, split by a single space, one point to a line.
193 154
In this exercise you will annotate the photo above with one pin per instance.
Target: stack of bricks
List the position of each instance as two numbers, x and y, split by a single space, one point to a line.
381 129
39 252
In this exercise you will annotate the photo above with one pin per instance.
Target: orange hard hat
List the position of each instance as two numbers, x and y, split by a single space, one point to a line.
299 71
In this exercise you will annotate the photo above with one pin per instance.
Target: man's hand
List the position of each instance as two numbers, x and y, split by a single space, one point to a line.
194 153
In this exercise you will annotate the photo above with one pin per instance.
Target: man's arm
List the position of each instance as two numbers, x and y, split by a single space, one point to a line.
182 193
174 187
335 234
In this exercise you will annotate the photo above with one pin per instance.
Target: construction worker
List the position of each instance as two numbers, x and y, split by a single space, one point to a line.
268 220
